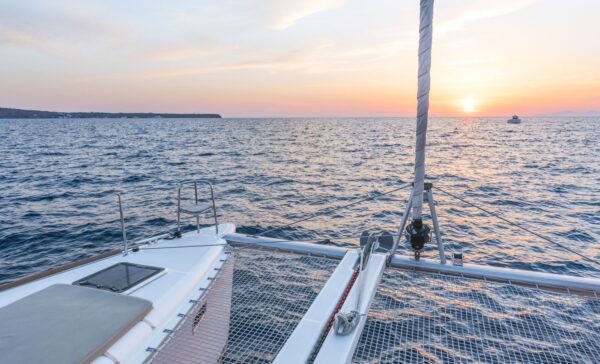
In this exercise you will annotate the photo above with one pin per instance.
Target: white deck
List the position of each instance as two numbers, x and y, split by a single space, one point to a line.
340 349
186 272
312 325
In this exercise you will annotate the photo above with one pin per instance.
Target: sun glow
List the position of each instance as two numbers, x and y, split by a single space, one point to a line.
300 58
468 106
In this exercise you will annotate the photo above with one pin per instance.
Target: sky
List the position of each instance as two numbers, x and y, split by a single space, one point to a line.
271 58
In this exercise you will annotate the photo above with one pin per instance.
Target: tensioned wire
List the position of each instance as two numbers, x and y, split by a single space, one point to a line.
314 241
336 208
373 197
313 215
500 217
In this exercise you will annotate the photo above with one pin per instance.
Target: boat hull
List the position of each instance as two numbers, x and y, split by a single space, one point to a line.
202 335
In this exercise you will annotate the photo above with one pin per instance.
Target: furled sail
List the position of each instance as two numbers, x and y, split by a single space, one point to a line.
425 35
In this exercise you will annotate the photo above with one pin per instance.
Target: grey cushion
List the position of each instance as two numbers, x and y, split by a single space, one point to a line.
66 324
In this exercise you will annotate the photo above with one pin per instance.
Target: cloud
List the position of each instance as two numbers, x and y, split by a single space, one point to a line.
284 14
291 59
319 57
14 37
247 16
179 53
478 11
41 25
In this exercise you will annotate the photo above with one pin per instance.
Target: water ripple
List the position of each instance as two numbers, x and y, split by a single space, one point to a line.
59 178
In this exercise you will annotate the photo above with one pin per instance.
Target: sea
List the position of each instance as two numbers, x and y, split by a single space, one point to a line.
59 180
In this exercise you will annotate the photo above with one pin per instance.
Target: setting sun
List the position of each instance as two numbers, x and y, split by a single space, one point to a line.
468 106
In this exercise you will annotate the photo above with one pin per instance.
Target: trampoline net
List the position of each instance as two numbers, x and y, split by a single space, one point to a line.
432 318
271 293
416 317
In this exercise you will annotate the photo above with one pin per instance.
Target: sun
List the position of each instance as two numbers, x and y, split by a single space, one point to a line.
468 106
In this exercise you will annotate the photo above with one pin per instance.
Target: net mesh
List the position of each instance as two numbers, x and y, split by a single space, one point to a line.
201 334
432 318
271 293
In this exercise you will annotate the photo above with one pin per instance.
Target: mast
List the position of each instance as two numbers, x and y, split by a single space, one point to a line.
425 33
418 233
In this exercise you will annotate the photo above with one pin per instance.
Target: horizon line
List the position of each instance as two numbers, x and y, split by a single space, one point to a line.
570 113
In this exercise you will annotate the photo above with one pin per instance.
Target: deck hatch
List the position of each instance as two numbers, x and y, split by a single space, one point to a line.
119 277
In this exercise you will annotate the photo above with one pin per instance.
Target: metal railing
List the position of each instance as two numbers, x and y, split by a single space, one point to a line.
196 213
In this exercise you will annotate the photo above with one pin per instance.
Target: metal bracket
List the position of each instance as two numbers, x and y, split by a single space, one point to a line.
436 227
427 196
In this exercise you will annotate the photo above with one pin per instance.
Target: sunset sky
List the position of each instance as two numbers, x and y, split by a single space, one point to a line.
298 58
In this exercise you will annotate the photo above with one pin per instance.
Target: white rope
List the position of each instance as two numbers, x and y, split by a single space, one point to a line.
425 35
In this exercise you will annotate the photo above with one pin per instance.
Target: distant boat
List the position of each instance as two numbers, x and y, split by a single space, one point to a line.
514 120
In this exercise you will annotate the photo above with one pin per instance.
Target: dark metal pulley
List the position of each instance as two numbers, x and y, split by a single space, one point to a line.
418 234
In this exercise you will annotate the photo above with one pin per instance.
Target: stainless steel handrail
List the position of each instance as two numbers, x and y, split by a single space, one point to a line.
212 197
124 234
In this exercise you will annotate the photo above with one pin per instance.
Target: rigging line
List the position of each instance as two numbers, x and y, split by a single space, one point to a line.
181 246
491 213
334 209
259 243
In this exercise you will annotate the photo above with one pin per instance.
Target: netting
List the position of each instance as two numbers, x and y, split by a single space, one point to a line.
431 318
201 334
415 317
271 293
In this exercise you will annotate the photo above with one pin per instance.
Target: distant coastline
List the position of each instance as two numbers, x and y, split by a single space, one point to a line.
7 113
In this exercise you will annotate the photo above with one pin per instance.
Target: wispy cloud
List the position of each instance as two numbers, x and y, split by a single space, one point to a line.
284 14
473 11
319 57
157 48
251 15
179 53
291 59
14 37
40 24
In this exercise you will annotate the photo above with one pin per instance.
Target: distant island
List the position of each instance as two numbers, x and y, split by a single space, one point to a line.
7 113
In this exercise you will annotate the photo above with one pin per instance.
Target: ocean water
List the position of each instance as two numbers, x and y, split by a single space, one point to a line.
59 180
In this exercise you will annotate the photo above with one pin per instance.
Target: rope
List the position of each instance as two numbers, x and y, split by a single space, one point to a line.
319 240
334 209
491 213
331 319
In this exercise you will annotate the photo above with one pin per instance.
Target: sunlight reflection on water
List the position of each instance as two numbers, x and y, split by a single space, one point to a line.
59 178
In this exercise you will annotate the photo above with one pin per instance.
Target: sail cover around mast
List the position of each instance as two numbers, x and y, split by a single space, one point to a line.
425 36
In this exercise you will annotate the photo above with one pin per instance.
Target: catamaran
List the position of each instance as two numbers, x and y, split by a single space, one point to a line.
212 295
